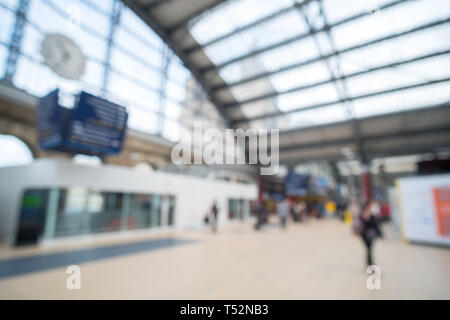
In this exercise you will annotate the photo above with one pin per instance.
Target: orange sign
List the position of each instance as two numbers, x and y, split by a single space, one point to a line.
442 205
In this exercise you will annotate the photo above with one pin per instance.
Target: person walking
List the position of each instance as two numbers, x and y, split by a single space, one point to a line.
297 210
214 216
369 229
282 211
260 215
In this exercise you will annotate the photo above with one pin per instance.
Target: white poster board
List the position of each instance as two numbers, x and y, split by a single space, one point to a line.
424 204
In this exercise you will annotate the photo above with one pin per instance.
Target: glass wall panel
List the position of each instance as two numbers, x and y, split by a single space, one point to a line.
140 208
155 211
32 216
104 210
239 209
71 208
78 211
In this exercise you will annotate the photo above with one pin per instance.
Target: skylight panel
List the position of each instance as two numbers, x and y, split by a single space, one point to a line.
301 76
336 11
403 48
233 15
403 100
270 32
317 95
389 21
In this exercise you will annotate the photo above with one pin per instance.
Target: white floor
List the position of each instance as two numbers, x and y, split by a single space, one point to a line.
319 260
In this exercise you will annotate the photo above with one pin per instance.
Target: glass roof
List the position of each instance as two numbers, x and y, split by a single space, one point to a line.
299 63
126 61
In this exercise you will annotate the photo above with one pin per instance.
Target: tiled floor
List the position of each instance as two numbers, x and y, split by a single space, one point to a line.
319 260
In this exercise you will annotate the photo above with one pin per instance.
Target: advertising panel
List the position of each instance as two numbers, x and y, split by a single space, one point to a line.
424 204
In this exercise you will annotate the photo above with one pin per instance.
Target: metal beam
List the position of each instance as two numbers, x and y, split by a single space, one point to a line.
193 15
152 4
113 24
416 111
247 27
350 140
150 21
406 150
397 151
325 104
16 40
298 37
369 138
314 145
348 76
297 161
371 154
341 87
349 49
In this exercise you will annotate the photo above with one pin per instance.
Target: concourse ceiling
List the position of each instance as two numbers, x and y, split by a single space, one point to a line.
370 75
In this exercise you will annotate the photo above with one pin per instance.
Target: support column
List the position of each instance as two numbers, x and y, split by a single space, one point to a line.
16 40
366 183
260 189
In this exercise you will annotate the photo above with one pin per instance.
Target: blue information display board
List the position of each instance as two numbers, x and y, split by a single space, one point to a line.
296 184
94 126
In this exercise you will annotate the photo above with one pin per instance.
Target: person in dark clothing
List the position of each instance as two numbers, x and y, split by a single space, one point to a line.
369 229
215 216
261 215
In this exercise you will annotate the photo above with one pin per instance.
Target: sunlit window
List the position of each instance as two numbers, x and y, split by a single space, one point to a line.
143 75
14 152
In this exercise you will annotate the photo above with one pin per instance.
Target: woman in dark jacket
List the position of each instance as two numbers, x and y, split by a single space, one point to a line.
370 229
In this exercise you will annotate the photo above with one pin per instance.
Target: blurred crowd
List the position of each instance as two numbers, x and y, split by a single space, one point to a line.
298 211
364 217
